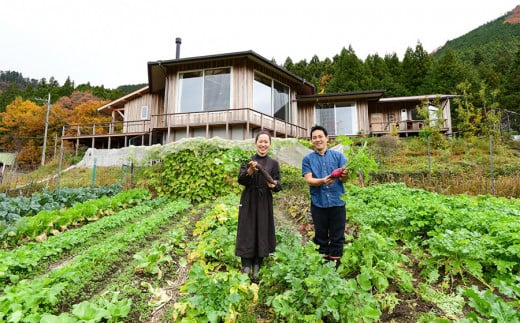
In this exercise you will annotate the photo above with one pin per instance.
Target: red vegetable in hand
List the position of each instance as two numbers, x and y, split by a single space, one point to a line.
337 173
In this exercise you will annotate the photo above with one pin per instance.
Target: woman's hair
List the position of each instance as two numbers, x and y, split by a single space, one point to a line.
316 127
263 132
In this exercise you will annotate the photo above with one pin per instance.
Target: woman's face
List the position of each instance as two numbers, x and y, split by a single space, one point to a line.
262 145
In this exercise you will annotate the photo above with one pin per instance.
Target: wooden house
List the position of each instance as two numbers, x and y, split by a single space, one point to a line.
235 95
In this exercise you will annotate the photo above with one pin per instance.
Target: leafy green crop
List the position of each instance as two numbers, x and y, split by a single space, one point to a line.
359 162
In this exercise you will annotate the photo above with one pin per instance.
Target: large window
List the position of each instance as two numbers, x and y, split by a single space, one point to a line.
338 119
205 90
271 97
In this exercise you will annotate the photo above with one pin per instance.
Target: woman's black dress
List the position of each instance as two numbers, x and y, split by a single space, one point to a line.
255 233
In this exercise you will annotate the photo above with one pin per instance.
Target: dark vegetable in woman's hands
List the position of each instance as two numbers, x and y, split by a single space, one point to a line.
265 174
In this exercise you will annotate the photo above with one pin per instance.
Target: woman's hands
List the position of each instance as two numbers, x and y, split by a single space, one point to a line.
252 167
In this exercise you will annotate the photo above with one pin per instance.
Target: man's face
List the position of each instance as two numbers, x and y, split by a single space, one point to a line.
319 140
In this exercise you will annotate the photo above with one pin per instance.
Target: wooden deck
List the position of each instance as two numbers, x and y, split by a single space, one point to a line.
147 132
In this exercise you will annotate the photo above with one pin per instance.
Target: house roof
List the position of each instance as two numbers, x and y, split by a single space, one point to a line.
157 70
119 103
342 96
418 98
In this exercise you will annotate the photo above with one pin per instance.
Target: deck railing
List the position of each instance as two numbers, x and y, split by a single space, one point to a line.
248 117
403 126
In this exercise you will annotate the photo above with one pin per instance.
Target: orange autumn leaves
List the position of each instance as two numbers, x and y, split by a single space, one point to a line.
22 125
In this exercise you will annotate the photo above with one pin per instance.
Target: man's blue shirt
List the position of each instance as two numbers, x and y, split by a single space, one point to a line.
320 166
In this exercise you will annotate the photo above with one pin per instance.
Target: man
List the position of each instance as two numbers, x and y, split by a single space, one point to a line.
327 209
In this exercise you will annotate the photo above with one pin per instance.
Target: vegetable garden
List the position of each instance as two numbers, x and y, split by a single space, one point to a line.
165 253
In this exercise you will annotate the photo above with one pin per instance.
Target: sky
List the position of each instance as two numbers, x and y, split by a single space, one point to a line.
109 42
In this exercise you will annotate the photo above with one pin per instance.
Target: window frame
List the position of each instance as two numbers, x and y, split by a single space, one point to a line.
144 116
202 97
333 131
259 77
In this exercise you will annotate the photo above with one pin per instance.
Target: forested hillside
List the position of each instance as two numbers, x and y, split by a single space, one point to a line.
483 65
492 42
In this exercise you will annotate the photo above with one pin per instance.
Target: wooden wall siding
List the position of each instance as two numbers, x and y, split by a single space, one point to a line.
306 116
170 99
241 87
362 116
134 123
382 120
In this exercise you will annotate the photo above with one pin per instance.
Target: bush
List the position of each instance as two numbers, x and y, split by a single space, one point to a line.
387 145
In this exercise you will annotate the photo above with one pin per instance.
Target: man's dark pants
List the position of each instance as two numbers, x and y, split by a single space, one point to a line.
329 230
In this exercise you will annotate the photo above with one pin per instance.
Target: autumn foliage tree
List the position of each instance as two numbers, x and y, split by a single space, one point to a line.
87 112
75 99
22 130
22 125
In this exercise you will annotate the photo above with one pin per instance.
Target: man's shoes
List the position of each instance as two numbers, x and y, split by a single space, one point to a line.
336 259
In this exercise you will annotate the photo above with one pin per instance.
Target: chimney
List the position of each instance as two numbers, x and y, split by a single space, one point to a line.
178 50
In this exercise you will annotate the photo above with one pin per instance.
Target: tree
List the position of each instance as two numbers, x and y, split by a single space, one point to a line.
75 99
378 71
65 90
22 129
469 117
431 113
384 74
9 95
395 68
416 64
87 113
348 72
446 73
491 113
511 100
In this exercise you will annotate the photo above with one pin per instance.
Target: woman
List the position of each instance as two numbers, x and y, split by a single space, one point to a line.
256 234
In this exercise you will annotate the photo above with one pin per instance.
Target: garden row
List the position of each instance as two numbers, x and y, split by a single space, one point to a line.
73 276
13 209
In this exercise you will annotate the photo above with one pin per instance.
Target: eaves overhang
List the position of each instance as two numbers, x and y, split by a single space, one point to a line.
419 98
373 95
119 103
158 70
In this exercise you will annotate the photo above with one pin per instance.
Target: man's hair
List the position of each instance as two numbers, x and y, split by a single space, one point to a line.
317 127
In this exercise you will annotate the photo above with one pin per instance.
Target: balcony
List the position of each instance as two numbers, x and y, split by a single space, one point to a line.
118 133
403 127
